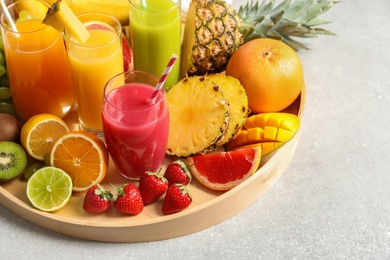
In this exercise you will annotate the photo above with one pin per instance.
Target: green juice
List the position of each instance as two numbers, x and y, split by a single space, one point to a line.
156 35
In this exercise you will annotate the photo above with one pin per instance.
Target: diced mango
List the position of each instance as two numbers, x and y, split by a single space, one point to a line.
270 130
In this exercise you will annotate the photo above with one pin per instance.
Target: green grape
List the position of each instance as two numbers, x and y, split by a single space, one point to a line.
4 81
2 58
2 70
5 93
8 108
31 169
1 44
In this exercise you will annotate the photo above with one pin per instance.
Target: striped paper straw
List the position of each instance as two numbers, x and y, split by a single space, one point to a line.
163 78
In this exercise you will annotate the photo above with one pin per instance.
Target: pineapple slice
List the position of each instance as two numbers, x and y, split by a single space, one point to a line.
235 93
199 116
60 16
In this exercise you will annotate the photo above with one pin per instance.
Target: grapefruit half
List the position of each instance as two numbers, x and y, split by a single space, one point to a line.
225 170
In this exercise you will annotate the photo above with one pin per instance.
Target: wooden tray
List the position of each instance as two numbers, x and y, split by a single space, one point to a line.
207 209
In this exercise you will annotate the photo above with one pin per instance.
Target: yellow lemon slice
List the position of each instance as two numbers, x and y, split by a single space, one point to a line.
39 134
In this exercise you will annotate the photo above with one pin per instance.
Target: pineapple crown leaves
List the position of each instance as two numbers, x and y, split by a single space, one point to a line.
286 20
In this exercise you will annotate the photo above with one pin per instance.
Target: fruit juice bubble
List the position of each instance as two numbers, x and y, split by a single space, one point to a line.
136 132
93 63
156 35
37 64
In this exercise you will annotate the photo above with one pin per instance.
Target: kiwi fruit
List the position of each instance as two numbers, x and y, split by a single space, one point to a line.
13 160
9 128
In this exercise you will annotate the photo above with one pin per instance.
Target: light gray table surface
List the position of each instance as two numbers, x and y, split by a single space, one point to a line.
332 202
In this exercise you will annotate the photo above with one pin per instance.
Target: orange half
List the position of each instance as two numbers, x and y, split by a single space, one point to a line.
83 156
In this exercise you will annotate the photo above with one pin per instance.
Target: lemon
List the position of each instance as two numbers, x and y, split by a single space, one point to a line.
49 189
39 134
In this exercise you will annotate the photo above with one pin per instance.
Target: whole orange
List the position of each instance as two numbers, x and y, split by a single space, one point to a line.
270 71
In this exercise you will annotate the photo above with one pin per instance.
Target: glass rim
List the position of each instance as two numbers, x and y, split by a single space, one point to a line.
127 73
3 21
118 31
136 4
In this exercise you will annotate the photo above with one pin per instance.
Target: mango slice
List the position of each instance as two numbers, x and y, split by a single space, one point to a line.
270 130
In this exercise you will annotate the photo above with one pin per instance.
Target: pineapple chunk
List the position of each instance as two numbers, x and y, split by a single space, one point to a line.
235 93
199 116
61 17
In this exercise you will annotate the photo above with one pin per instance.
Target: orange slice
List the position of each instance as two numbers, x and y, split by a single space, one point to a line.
39 134
83 156
225 170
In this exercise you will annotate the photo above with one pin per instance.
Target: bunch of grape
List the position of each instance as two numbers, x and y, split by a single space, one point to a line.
6 105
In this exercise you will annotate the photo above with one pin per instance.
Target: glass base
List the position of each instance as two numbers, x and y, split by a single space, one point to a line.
98 132
130 178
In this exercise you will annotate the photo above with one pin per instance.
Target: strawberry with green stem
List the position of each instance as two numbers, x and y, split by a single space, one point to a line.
152 186
177 172
177 198
128 199
97 199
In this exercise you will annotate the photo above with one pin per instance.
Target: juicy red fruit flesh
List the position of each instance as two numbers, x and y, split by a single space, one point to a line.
218 170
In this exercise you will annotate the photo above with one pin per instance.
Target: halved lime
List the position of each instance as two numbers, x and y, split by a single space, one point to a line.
49 189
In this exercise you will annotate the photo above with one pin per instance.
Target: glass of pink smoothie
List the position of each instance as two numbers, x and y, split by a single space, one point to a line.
136 132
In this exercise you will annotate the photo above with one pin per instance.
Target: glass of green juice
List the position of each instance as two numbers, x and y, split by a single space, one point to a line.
155 30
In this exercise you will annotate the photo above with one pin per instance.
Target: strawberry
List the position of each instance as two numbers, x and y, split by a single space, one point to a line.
177 172
152 186
97 199
177 198
128 200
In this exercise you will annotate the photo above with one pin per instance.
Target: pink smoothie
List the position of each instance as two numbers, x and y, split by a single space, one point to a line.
136 133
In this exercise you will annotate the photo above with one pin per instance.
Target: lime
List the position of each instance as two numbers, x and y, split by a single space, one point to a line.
49 189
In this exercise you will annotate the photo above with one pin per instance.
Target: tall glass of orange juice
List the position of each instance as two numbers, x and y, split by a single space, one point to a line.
37 64
93 63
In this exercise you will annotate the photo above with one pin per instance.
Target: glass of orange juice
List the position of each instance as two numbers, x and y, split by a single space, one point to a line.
37 63
93 63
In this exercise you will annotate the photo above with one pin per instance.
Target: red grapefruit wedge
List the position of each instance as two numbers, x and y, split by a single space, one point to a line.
225 170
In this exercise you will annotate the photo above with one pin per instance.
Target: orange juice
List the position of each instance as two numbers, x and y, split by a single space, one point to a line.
93 63
38 69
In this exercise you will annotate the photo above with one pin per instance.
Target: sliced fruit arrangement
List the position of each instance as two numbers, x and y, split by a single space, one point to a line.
269 130
205 112
39 134
83 156
214 30
225 170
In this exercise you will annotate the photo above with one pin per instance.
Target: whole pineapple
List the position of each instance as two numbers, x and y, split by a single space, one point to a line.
214 30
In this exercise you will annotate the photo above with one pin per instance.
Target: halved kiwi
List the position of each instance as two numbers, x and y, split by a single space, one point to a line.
13 160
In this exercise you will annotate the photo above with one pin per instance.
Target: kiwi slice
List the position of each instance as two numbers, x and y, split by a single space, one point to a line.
13 160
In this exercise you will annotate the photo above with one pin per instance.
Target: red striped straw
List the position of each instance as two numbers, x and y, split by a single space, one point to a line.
163 78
